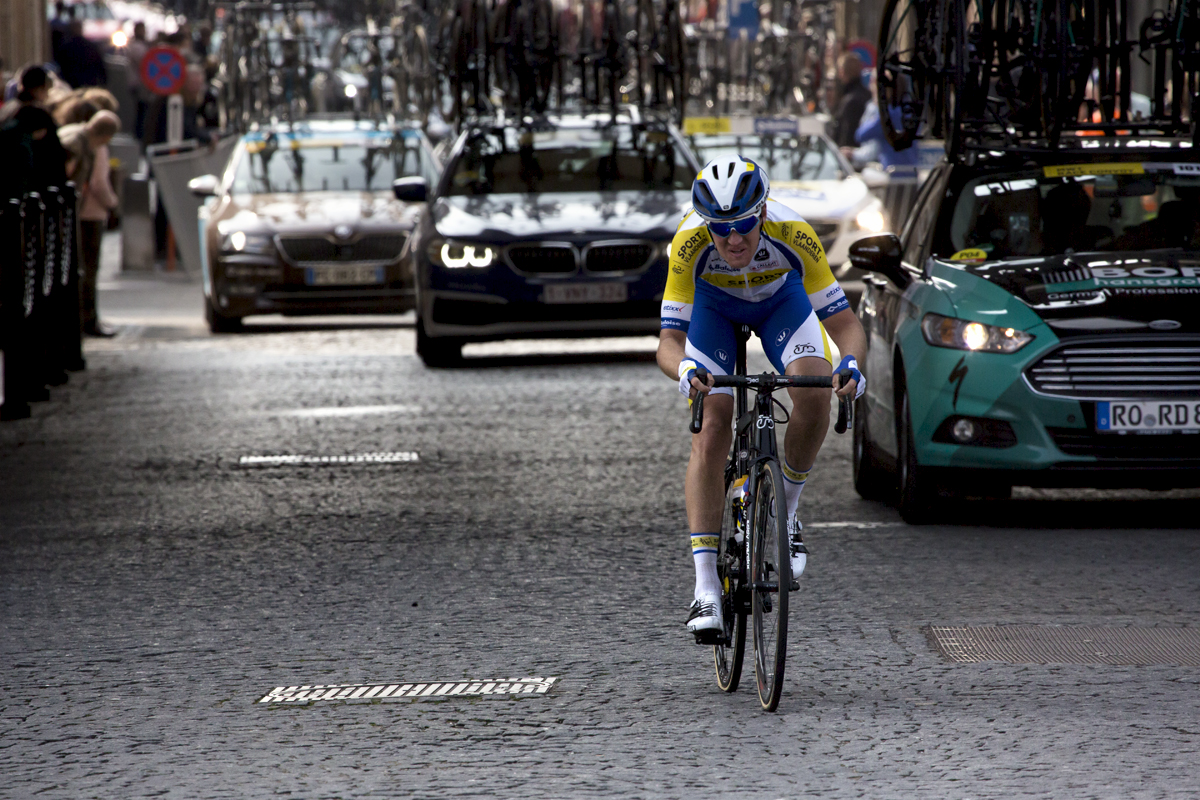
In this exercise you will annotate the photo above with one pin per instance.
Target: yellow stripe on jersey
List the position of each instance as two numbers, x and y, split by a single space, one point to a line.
741 281
681 282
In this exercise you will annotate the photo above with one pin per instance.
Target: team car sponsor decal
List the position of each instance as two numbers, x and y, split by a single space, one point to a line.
957 376
1074 170
1065 284
970 254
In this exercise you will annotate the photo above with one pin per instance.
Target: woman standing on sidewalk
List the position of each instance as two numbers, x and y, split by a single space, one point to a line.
88 166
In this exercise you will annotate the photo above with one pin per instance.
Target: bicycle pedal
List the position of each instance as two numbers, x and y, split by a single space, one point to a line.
795 585
710 637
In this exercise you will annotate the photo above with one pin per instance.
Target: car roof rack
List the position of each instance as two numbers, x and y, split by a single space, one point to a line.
1038 77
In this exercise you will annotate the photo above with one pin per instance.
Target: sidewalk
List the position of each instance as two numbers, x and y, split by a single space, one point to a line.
131 301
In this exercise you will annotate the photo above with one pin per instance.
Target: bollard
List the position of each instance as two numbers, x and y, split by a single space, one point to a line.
69 326
12 312
34 332
50 296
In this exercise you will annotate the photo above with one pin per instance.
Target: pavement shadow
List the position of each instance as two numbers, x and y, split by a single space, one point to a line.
1081 512
552 360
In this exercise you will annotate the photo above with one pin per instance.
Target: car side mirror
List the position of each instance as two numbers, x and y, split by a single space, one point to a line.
204 186
880 253
410 190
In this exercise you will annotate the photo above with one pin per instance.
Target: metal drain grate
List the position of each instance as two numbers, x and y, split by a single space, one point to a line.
1051 644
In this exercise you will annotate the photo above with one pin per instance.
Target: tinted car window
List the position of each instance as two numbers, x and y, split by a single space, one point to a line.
620 157
1027 213
785 158
285 165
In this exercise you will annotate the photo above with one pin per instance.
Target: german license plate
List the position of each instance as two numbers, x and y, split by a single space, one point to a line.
348 275
1148 416
586 293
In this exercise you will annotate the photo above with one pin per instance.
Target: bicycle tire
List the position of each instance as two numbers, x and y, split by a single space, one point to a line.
902 78
730 566
770 565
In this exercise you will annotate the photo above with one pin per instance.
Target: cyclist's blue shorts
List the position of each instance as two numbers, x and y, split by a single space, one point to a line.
785 322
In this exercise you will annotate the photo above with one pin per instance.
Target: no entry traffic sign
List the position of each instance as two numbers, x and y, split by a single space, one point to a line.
163 70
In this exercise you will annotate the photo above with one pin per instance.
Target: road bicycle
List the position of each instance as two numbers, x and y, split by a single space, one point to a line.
754 554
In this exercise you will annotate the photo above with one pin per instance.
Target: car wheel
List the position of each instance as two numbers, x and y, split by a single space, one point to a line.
437 352
219 323
871 480
916 494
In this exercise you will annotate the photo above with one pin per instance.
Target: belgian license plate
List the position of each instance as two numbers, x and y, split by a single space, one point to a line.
1148 416
586 293
348 275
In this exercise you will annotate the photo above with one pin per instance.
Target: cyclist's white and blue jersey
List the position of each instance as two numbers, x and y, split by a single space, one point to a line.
783 294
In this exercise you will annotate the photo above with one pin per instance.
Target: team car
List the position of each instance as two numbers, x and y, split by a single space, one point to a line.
808 173
555 226
1035 323
304 221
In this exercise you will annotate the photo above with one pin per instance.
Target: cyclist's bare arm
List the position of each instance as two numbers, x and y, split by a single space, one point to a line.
847 333
671 352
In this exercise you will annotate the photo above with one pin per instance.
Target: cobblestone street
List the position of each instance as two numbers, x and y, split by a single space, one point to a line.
153 587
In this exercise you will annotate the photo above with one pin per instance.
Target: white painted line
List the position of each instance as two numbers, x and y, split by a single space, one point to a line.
320 461
343 411
374 692
808 525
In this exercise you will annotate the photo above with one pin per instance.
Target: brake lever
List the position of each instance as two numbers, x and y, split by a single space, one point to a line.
845 416
698 403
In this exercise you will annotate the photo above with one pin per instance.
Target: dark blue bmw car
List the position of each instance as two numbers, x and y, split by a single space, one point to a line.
558 226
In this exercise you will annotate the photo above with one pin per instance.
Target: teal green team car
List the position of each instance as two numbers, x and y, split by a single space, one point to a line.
1035 323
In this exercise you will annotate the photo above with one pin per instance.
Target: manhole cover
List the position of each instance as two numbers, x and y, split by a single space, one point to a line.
1052 644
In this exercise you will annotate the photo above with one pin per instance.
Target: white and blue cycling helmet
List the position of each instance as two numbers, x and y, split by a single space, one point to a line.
729 188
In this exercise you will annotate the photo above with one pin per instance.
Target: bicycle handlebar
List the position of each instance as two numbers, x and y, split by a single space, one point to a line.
770 382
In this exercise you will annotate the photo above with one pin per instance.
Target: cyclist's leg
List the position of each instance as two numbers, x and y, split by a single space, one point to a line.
797 344
710 342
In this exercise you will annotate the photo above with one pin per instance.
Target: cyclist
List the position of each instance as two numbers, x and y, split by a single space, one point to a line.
740 257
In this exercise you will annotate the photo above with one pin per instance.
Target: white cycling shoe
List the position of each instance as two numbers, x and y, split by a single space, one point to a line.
705 615
799 551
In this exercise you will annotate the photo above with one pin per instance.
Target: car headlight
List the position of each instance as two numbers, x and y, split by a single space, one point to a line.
248 243
962 334
871 219
457 255
120 39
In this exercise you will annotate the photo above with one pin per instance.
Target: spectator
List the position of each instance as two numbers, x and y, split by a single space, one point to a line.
135 52
80 59
87 145
59 27
73 108
873 144
32 87
852 101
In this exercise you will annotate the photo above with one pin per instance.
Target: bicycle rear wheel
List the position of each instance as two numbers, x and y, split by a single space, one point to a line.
731 567
770 580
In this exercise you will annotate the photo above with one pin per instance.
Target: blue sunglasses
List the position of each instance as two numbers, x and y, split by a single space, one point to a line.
743 226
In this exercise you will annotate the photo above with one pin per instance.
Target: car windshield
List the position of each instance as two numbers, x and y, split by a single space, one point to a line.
785 158
588 160
280 164
1063 209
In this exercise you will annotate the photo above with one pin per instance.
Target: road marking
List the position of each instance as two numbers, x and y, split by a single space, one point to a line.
343 411
808 525
376 692
322 461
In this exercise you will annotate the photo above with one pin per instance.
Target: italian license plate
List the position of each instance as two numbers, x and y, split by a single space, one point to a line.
348 275
1148 416
586 293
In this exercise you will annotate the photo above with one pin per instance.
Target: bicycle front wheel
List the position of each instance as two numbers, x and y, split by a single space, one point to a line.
731 568
770 580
